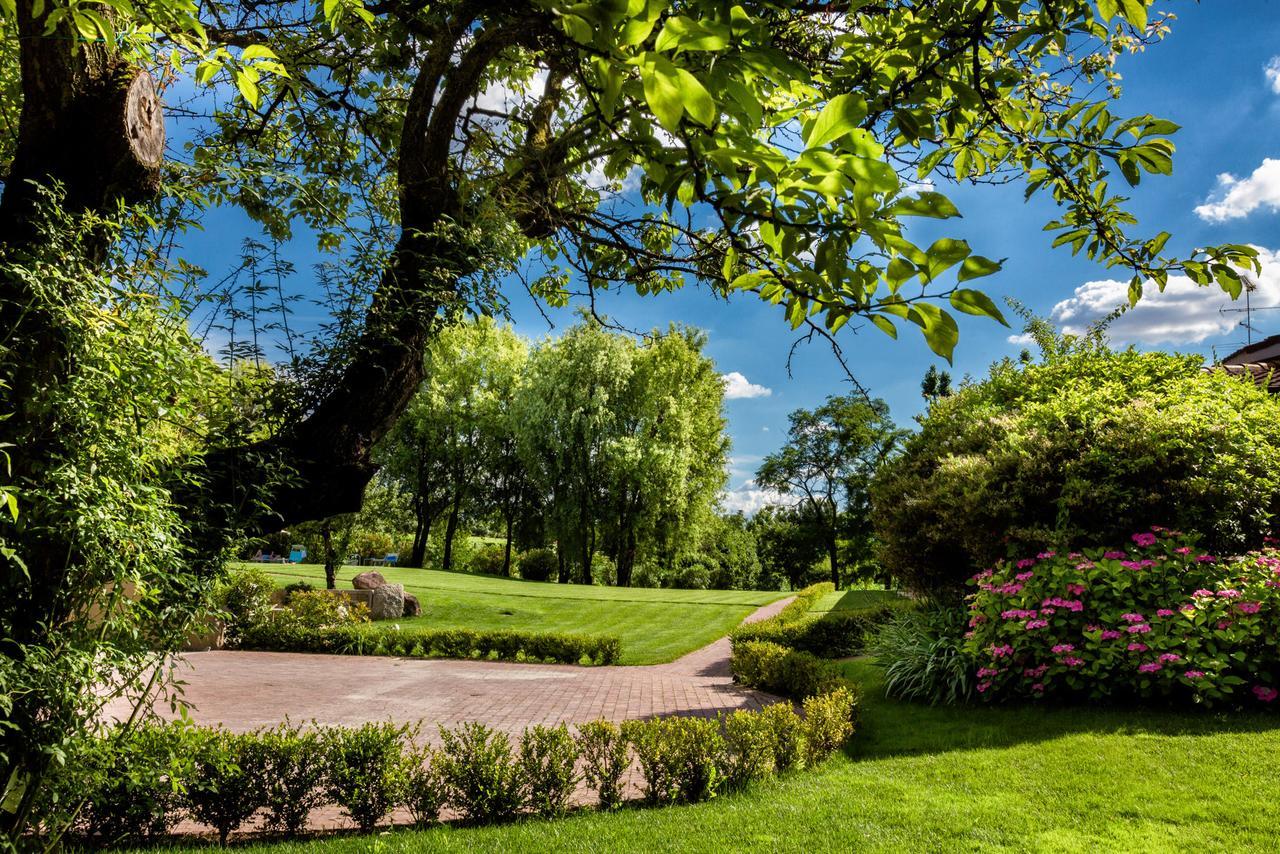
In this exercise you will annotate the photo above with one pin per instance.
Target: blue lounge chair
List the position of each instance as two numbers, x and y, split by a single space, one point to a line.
297 555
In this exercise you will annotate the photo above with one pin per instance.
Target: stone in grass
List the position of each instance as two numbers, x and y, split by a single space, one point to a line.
387 602
412 607
368 581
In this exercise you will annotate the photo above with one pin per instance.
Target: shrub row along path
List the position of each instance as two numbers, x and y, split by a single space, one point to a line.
247 690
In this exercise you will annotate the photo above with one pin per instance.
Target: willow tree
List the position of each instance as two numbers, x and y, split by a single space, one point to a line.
771 142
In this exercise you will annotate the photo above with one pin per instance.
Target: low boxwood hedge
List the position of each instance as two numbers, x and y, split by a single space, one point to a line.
833 635
415 642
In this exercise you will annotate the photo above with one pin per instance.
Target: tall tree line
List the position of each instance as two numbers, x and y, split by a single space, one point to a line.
595 442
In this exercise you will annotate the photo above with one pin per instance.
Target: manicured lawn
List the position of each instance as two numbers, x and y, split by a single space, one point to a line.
655 625
925 779
852 600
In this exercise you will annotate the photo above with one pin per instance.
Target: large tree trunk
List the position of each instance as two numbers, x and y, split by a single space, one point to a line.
506 553
330 559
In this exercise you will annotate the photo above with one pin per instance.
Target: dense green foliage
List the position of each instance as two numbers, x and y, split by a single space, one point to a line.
786 672
923 656
1157 619
654 625
1078 450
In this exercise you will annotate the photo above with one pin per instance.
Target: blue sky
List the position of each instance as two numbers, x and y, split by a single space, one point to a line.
1217 75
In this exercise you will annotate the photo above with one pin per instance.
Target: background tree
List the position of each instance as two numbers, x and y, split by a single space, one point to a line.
788 546
935 385
827 464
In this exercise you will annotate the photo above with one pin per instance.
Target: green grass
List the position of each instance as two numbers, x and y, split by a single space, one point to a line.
851 600
655 625
941 779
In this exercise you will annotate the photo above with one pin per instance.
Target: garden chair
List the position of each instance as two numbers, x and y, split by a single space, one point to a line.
297 555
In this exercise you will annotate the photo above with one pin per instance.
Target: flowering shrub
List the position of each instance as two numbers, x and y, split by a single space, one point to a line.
1157 618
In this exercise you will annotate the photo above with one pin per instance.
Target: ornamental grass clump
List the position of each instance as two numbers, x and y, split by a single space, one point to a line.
1157 618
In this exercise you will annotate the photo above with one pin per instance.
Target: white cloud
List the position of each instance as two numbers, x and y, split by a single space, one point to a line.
501 97
1272 70
1184 313
736 386
749 498
1240 197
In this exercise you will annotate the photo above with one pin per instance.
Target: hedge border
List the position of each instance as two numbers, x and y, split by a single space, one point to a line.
832 635
416 642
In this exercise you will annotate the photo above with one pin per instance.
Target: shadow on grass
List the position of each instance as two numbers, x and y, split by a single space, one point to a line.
892 728
859 600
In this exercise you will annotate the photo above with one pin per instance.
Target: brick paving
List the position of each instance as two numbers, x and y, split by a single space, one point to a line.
247 690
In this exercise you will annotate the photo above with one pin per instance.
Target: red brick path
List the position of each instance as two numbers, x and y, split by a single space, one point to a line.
246 690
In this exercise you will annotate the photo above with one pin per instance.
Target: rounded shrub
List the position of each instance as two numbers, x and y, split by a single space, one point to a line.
1077 451
489 560
539 565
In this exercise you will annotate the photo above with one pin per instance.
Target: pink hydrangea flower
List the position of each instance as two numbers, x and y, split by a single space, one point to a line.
1018 614
1137 647
1026 562
1085 564
984 672
1150 667
1139 629
1203 592
1115 555
1035 672
1229 594
1110 634
1037 624
1170 656
1048 611
1224 624
1189 607
1194 674
1076 589
1133 618
983 686
1063 647
1038 687
1183 550
1002 650
1024 576
1144 540
1248 607
1206 559
1164 612
1046 555
1071 661
1265 694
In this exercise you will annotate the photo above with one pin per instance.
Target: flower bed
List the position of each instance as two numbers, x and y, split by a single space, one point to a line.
1157 618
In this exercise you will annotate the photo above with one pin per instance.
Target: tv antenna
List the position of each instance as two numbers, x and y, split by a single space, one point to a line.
1249 287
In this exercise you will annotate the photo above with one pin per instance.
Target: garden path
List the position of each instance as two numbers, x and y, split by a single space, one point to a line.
247 690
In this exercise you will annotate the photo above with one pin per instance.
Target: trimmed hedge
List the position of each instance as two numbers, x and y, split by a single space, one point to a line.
834 635
785 672
137 784
414 642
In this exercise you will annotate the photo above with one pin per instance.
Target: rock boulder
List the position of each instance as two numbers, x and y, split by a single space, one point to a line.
368 581
387 602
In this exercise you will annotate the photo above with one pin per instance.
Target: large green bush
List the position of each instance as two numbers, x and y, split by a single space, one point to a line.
1078 450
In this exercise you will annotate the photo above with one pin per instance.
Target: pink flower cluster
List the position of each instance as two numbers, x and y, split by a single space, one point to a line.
1069 604
1144 540
1018 614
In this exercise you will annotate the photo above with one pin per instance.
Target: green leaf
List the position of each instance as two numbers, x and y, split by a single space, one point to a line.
945 253
976 266
976 302
248 89
682 33
885 325
1135 12
697 100
940 330
1107 10
662 92
842 114
933 205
